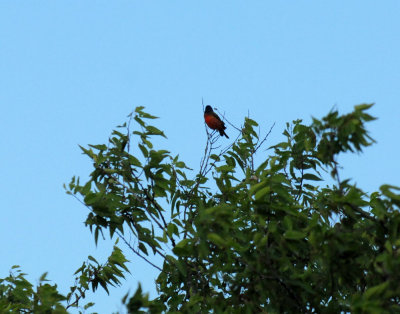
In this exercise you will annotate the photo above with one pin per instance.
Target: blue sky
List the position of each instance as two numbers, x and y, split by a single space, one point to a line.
70 71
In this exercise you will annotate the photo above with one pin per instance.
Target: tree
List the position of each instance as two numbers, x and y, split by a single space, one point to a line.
287 234
18 295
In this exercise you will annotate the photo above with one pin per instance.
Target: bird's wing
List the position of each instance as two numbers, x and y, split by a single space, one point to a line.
216 116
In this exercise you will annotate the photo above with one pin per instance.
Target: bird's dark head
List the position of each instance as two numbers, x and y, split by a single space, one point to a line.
208 109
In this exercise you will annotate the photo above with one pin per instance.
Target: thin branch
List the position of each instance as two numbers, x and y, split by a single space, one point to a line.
223 117
265 138
138 253
301 182
361 212
128 132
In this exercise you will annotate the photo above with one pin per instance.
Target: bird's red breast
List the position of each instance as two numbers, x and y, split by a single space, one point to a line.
213 122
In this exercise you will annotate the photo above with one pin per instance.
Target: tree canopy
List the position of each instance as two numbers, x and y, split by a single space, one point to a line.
284 234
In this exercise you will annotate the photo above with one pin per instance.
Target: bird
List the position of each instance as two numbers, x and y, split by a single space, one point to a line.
214 122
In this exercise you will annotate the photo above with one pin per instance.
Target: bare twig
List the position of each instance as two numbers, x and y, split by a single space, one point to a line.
138 253
128 132
265 138
223 117
301 182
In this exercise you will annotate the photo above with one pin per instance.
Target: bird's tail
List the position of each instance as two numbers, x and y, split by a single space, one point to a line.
222 133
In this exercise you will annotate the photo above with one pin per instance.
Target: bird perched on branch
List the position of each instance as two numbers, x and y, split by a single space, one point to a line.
214 122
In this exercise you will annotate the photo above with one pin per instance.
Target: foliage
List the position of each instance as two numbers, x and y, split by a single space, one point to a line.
92 274
17 294
283 235
270 238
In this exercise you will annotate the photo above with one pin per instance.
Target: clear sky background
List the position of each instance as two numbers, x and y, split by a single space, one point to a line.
70 71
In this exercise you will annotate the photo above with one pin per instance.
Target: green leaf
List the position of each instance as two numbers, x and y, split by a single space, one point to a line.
88 305
180 164
91 258
386 190
294 235
254 188
43 277
310 176
262 192
216 239
172 229
101 147
144 150
363 106
251 122
153 130
134 161
182 248
143 248
377 290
